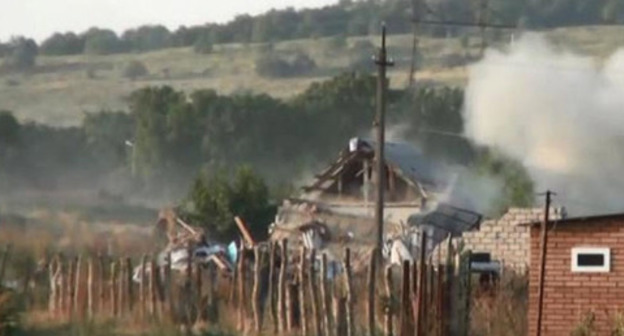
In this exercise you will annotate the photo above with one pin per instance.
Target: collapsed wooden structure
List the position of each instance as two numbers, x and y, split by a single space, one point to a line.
336 209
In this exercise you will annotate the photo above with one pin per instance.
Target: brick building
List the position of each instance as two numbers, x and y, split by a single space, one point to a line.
506 239
584 274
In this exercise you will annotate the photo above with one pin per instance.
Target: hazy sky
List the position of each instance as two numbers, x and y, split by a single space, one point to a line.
40 18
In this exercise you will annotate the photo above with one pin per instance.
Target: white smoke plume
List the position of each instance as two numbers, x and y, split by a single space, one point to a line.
560 114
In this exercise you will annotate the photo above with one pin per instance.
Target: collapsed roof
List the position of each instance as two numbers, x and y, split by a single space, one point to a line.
402 160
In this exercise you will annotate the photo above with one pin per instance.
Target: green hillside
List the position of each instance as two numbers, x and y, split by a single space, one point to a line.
62 88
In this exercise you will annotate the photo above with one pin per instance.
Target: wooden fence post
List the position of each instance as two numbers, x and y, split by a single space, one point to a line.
113 288
316 314
289 307
256 290
388 325
169 288
302 290
101 284
78 303
200 299
72 287
325 297
128 280
439 316
271 291
281 293
63 286
448 288
121 291
241 289
348 283
142 282
90 293
419 313
5 260
464 294
152 286
407 317
430 282
372 272
340 304
53 272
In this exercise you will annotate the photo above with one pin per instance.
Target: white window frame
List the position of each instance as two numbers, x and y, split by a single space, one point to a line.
606 251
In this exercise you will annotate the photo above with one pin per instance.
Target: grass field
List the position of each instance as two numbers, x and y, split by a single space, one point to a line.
61 90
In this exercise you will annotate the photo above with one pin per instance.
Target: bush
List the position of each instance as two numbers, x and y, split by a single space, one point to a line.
22 55
361 56
9 313
134 70
214 201
336 43
270 65
203 45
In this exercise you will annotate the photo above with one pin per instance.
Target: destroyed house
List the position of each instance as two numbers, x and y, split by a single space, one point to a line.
411 179
342 199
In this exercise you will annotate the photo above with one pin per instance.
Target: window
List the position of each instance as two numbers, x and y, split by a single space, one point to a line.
591 259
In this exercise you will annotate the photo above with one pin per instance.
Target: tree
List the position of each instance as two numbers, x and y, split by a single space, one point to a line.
101 42
22 55
135 69
146 38
203 45
302 65
107 133
271 65
214 200
63 44
9 129
155 111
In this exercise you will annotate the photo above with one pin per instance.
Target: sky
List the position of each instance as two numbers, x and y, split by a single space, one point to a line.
40 18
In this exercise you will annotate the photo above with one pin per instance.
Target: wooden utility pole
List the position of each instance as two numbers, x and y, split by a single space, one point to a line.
542 273
380 124
482 22
416 19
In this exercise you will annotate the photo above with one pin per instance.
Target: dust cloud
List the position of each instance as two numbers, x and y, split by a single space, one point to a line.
560 114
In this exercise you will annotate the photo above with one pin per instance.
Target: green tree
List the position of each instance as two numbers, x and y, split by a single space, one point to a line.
167 137
22 55
214 200
102 42
107 134
63 44
9 129
146 38
203 45
135 69
518 187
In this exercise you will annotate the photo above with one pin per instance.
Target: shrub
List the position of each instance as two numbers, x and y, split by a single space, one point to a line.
134 70
270 65
9 313
203 45
585 326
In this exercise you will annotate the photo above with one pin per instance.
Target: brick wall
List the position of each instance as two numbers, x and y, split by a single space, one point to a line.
569 296
505 239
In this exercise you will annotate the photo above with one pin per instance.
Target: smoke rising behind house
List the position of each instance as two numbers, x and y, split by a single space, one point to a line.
561 114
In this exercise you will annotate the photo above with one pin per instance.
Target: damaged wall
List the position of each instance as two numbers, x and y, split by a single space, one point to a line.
505 239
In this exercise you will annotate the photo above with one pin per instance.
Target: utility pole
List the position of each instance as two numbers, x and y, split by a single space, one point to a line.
483 25
542 274
382 62
416 8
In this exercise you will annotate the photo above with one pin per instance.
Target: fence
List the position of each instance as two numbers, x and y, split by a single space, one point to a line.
273 289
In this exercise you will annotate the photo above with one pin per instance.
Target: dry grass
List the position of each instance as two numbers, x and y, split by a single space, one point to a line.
61 91
502 311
